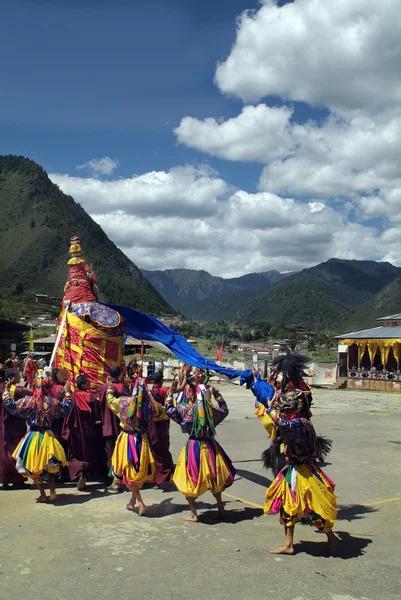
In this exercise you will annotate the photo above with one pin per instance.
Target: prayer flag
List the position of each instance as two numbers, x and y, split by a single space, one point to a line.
31 341
219 353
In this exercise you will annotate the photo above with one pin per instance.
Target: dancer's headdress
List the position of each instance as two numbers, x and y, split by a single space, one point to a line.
42 385
292 367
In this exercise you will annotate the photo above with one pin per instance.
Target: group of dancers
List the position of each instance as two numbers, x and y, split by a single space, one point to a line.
135 437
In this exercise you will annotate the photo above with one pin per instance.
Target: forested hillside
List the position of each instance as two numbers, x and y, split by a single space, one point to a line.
37 223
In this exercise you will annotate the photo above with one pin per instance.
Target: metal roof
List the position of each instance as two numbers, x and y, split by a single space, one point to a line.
375 333
390 318
35 353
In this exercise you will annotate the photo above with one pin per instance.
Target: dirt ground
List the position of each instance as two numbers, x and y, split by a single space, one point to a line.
88 545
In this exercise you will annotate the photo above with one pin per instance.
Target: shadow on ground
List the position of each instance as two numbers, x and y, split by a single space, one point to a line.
254 477
353 512
349 546
210 517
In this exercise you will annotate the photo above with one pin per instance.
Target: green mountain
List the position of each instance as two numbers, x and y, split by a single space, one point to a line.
386 302
183 288
37 223
319 298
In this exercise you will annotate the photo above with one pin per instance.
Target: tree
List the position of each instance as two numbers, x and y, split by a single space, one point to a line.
293 341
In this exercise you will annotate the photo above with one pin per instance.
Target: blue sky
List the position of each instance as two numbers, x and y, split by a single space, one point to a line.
207 139
94 78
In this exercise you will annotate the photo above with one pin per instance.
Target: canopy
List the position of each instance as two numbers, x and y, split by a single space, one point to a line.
147 328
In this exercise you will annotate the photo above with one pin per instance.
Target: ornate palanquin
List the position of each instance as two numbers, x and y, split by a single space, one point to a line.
89 333
84 349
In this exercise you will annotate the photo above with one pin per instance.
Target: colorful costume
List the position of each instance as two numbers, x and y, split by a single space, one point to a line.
287 375
202 464
39 453
301 488
159 435
132 461
92 335
110 422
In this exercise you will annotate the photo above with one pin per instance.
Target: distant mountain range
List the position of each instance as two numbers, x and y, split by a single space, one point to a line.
37 223
183 287
330 296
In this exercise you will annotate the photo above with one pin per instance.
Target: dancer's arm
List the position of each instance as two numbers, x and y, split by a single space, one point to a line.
171 410
113 401
24 407
64 406
220 413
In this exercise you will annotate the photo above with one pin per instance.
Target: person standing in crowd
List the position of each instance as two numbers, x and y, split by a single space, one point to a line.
150 369
12 429
110 421
29 371
9 362
59 379
159 435
39 455
80 433
134 369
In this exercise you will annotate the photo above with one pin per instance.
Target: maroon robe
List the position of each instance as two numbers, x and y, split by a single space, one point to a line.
80 432
159 436
57 391
12 430
110 421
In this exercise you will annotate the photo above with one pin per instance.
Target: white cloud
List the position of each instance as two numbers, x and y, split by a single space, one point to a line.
101 166
242 233
339 157
342 54
336 158
194 191
259 133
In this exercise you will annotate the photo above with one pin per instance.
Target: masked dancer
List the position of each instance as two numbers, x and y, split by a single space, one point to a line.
301 489
39 455
202 464
132 462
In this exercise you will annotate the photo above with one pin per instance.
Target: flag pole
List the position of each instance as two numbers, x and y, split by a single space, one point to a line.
60 332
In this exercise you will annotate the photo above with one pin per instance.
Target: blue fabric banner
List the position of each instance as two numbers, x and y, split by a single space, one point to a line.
147 328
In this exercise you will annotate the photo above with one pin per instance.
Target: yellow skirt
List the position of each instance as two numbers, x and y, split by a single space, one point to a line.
266 421
132 462
203 465
38 454
303 490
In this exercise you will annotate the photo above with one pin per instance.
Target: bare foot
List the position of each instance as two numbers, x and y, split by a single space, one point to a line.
42 499
221 515
283 550
130 505
53 497
191 518
332 543
142 509
81 485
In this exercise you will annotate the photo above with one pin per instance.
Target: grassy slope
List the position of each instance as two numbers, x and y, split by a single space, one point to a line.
38 220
